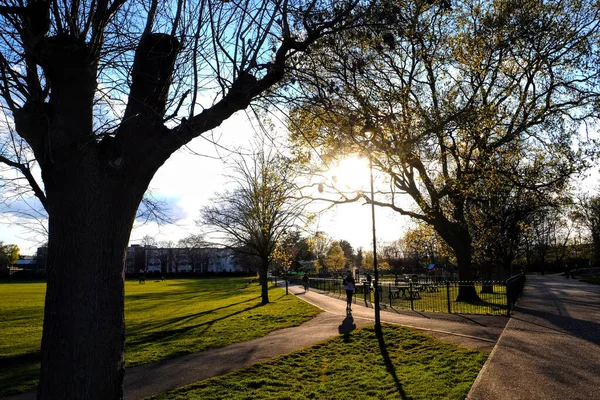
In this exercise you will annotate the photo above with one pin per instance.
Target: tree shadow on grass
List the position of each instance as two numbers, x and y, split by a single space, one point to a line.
389 365
19 373
181 319
172 333
19 359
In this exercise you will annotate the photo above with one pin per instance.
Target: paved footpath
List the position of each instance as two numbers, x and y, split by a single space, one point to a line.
550 348
476 332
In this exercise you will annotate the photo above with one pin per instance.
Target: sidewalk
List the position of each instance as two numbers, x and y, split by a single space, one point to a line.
476 332
550 348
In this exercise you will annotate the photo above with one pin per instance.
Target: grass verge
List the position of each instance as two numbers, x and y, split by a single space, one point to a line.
411 366
163 319
595 279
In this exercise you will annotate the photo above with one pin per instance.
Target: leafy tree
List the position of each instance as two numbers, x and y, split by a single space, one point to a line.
359 257
286 252
393 253
348 252
256 213
335 260
318 245
368 260
424 245
9 254
501 220
384 267
304 253
487 91
100 94
549 231
588 211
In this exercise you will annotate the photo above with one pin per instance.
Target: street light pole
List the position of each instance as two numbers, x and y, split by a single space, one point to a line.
375 270
369 130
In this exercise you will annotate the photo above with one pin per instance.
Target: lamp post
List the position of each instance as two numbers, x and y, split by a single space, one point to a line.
369 130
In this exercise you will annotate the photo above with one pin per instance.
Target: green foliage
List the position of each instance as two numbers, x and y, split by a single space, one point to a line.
468 103
368 260
163 319
352 368
318 244
335 260
348 252
425 246
9 254
589 214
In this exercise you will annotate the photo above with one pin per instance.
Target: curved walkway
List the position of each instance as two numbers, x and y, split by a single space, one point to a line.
479 332
550 348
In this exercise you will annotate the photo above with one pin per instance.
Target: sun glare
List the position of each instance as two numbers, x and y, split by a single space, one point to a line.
351 173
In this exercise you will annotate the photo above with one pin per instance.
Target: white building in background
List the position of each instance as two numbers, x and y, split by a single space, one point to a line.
175 260
153 265
223 260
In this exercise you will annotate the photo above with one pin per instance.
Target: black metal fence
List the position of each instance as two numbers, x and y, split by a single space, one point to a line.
495 298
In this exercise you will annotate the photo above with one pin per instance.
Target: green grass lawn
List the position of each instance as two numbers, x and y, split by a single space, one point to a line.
163 319
418 367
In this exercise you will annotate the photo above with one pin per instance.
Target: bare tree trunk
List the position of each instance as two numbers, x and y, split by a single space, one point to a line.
90 219
264 283
466 289
459 239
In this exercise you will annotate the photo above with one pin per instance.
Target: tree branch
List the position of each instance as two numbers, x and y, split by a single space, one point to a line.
24 169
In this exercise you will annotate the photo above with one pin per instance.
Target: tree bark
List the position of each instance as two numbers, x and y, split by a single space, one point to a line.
91 213
264 283
466 288
459 239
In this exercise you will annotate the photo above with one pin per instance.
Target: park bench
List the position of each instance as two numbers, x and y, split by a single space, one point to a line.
405 292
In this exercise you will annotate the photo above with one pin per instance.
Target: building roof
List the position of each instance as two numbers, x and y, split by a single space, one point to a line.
26 262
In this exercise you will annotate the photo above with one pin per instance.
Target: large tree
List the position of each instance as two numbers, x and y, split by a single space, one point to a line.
589 214
459 98
100 93
336 260
348 253
255 215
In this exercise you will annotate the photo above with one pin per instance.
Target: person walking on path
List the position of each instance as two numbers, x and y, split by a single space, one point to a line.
349 284
305 283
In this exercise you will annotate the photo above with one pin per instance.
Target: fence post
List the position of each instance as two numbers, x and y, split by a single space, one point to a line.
448 296
390 293
508 302
410 294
